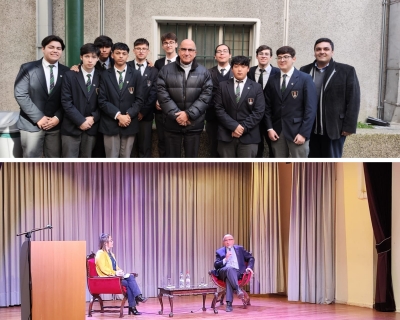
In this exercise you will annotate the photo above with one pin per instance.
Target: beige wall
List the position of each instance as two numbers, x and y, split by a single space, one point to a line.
355 246
354 26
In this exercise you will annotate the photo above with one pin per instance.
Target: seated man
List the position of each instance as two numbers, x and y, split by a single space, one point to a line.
230 265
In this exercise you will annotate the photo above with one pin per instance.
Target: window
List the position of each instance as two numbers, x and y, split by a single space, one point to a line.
238 35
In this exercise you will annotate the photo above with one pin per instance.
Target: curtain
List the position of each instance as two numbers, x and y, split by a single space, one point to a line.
378 179
311 274
164 217
265 237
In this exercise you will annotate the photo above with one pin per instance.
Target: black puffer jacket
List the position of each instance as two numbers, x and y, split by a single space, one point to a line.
176 93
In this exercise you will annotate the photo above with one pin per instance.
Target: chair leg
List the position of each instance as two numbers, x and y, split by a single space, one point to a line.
121 311
222 297
246 299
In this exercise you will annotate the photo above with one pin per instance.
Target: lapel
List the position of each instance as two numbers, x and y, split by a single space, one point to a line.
40 74
277 83
113 78
128 79
81 81
246 89
293 79
329 72
59 80
95 83
231 90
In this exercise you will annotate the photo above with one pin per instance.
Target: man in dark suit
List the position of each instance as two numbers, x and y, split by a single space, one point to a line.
149 82
221 72
169 44
120 100
239 106
230 264
261 74
105 44
79 100
338 96
37 90
290 107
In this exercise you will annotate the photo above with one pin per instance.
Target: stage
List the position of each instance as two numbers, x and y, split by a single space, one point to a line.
262 307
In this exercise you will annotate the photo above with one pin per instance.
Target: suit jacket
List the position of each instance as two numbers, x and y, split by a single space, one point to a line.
252 73
103 262
242 255
159 63
292 112
128 100
78 103
149 83
340 98
248 112
31 93
210 113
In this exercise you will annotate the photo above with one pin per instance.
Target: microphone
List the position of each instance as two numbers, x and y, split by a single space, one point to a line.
49 226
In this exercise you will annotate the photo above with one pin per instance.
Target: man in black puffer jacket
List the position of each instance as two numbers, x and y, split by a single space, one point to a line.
184 92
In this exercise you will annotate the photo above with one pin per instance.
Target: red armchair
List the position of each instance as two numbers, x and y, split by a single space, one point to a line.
246 277
103 285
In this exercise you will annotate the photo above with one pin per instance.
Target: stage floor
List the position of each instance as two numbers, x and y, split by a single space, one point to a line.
262 307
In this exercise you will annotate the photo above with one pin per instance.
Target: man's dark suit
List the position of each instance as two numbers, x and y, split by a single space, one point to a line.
293 111
245 260
78 103
99 66
159 63
340 96
31 93
149 94
263 130
112 100
248 112
211 117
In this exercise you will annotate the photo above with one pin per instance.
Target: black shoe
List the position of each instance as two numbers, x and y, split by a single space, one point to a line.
133 310
240 293
140 298
229 307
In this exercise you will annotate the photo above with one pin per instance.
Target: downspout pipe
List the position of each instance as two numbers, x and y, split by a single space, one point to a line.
73 31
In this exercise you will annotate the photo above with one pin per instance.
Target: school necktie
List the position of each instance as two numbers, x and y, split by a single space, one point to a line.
88 83
222 72
103 65
140 65
51 77
261 78
168 61
121 80
283 87
237 91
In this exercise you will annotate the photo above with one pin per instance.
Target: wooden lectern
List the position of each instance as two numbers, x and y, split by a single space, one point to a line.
53 280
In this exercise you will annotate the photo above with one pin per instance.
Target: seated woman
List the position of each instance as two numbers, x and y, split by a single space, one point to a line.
106 265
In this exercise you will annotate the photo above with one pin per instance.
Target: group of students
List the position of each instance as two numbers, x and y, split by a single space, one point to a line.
105 107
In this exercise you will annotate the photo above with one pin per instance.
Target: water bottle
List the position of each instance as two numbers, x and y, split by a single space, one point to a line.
181 280
187 279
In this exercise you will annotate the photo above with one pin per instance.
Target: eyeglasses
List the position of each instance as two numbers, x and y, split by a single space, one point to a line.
263 54
228 239
283 58
171 43
142 49
185 49
222 51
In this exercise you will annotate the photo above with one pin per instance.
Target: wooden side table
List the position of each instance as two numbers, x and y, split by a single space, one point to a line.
171 292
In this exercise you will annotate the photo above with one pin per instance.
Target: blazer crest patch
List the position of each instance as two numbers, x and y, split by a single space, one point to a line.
250 101
295 94
131 90
148 83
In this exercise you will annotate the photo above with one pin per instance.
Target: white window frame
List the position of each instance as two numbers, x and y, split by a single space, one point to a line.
254 31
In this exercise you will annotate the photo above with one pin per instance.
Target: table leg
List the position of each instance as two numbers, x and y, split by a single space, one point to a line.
161 303
171 304
214 302
204 301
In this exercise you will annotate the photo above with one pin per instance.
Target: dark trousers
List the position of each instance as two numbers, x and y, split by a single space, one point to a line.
230 276
323 147
173 144
143 139
264 135
212 131
236 149
132 290
161 134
